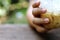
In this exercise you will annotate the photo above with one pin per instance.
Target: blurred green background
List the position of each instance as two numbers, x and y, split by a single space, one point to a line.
13 11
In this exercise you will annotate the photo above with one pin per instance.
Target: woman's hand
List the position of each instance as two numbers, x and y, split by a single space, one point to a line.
37 14
34 19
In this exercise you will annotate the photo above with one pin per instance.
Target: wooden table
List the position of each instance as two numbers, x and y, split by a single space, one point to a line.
17 32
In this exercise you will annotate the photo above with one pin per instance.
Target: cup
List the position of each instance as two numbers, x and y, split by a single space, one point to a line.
53 13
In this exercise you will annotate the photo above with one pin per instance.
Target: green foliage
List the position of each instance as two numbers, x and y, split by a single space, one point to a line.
18 7
12 19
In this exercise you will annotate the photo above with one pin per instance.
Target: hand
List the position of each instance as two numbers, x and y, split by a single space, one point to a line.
37 20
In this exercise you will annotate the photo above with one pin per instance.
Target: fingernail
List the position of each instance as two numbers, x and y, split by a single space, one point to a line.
37 3
46 20
43 10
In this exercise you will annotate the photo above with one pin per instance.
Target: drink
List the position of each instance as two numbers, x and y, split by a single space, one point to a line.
53 13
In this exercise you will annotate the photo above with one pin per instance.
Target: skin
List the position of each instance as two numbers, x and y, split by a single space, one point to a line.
33 18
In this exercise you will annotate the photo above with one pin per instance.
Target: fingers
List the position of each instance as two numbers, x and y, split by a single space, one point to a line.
39 21
39 28
36 5
37 11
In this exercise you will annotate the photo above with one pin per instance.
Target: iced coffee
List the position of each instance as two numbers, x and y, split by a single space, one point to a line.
53 13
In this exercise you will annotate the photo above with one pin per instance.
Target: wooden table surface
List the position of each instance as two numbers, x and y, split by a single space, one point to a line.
17 32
